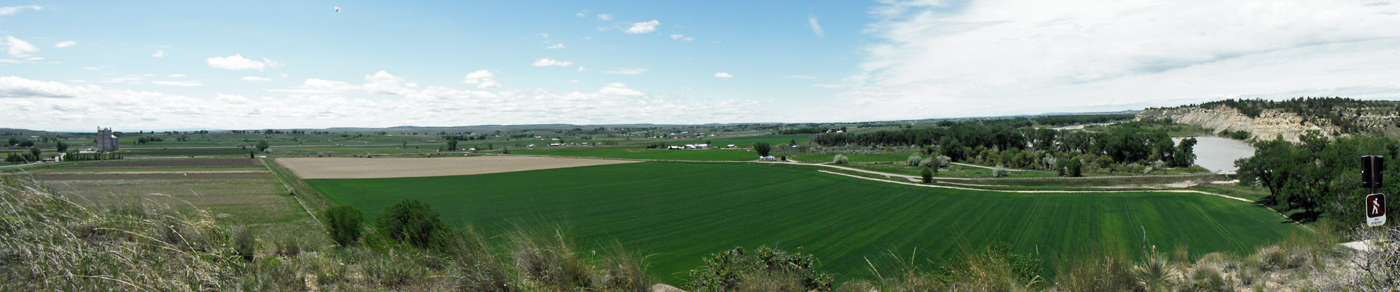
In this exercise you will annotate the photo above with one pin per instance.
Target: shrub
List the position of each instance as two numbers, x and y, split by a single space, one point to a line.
762 148
262 145
1075 168
343 223
735 269
840 159
914 160
928 175
1000 171
244 244
505 150
412 222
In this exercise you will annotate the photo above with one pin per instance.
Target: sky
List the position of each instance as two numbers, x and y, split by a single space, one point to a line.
78 65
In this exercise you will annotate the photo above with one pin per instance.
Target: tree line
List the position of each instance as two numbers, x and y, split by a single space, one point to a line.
1318 179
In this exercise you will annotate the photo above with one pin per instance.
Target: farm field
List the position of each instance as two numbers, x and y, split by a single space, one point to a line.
680 212
657 154
235 191
417 167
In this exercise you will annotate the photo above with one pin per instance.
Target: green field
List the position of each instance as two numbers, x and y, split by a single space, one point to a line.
680 212
658 154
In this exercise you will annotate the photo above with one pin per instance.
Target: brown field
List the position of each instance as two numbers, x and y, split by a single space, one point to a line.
241 198
313 168
173 163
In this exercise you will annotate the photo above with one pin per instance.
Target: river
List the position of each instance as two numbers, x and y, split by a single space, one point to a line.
1219 154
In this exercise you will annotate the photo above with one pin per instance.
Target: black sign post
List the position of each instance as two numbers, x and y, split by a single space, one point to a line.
1372 167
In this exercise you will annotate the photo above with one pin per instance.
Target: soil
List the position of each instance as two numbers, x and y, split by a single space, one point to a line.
316 168
173 163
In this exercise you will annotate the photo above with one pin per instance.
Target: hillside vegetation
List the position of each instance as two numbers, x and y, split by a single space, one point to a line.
1267 119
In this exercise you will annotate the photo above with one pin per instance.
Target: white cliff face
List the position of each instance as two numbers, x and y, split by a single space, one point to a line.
1269 125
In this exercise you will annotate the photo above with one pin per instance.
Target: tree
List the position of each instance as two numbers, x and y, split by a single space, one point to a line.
35 151
411 221
928 175
60 146
840 159
252 154
343 223
13 142
451 145
762 148
1185 155
1074 167
262 146
505 150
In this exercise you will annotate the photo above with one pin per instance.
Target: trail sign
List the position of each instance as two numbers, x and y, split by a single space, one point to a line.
1372 167
1375 209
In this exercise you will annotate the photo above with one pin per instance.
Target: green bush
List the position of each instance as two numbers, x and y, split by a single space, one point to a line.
928 175
343 223
412 222
840 159
736 270
244 243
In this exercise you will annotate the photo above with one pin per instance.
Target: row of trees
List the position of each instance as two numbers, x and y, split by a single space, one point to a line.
1317 179
1133 142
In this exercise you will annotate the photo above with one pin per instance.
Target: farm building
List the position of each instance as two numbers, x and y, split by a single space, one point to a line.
106 142
767 158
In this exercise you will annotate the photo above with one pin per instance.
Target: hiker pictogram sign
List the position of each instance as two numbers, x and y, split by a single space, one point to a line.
1375 209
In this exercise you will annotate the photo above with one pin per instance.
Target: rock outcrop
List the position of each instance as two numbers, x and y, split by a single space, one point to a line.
1268 125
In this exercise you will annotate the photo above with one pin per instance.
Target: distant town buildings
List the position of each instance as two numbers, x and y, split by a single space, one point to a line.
106 142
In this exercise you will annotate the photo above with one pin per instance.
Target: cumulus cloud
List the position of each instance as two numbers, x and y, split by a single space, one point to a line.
20 48
237 62
13 9
556 46
16 87
1110 55
323 103
161 54
723 75
677 36
547 62
482 79
816 27
128 80
581 69
65 44
384 83
643 27
176 83
255 78
605 16
627 71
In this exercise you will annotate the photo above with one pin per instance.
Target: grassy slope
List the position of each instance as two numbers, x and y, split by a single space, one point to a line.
683 211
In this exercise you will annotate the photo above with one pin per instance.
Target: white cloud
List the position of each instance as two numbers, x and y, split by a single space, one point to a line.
16 87
688 39
547 62
582 13
20 48
256 78
68 107
177 75
677 36
556 46
1015 58
158 54
237 62
686 88
384 83
643 27
545 35
581 69
176 83
128 80
482 79
627 71
573 81
801 77
13 9
605 16
723 75
816 27
65 44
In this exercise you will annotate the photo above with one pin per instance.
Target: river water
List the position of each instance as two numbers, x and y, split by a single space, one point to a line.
1219 154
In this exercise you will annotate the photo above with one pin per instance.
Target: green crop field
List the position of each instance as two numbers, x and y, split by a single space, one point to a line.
660 154
680 212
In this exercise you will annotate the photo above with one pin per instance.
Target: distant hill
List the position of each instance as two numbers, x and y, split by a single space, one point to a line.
1267 119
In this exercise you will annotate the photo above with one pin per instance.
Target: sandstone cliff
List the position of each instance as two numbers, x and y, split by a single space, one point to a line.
1267 120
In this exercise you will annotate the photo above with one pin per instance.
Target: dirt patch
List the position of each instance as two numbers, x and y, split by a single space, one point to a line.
173 163
312 168
151 176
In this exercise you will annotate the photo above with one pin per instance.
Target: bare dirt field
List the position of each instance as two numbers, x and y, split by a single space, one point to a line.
173 163
313 168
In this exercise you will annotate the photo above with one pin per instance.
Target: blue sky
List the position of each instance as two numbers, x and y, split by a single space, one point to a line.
251 65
